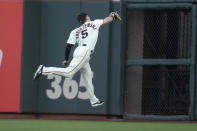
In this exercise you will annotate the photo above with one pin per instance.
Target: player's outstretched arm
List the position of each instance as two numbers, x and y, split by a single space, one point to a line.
108 19
111 17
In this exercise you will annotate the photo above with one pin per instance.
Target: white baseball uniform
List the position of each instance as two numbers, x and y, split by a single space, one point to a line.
86 36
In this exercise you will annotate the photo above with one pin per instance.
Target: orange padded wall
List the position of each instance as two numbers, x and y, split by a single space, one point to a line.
11 22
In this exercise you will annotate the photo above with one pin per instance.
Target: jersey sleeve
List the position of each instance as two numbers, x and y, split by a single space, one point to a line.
72 38
98 22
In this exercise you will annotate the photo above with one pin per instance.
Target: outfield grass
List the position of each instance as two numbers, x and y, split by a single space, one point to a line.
62 125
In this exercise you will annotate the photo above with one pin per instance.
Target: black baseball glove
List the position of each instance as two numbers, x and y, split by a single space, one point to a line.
116 16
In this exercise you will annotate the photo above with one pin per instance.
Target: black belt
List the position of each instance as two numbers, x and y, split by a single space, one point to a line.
86 45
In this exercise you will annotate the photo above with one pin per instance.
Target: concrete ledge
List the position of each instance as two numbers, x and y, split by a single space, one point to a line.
61 117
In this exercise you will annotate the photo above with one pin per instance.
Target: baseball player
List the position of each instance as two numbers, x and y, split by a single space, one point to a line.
86 37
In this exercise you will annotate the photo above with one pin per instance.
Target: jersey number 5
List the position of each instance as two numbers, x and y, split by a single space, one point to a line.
84 33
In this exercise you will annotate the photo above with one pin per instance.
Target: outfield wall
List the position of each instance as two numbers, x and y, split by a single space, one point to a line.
11 26
39 35
52 24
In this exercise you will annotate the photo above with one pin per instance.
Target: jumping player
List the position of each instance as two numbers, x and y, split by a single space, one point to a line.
86 37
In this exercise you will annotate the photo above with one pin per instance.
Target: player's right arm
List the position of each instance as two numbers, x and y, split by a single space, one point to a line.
108 19
111 17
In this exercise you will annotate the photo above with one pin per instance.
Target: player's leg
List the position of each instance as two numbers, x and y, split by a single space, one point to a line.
81 56
56 71
87 75
38 72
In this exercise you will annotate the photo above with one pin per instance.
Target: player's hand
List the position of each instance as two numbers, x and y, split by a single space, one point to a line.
65 62
112 14
116 16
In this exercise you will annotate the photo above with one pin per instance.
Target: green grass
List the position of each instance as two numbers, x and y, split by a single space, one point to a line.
65 125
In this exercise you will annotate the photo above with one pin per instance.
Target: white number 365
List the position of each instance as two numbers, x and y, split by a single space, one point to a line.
70 88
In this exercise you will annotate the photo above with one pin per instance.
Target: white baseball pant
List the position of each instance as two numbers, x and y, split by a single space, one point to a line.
80 61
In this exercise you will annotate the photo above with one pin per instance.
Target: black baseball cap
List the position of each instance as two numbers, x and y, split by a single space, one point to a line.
81 17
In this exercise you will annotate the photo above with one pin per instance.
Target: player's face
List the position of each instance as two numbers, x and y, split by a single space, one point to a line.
87 18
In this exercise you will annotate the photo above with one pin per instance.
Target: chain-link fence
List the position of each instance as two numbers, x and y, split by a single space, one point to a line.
159 89
164 90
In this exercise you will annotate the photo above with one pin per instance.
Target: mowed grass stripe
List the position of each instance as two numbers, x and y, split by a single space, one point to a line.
65 125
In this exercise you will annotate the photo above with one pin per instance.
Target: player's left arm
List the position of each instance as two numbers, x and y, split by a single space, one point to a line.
70 43
67 53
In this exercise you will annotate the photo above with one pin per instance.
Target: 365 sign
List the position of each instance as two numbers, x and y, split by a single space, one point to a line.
69 90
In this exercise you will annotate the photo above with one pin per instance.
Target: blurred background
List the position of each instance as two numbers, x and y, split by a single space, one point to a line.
144 67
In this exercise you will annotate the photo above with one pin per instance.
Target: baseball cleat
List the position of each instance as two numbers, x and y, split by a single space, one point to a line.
99 103
38 72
